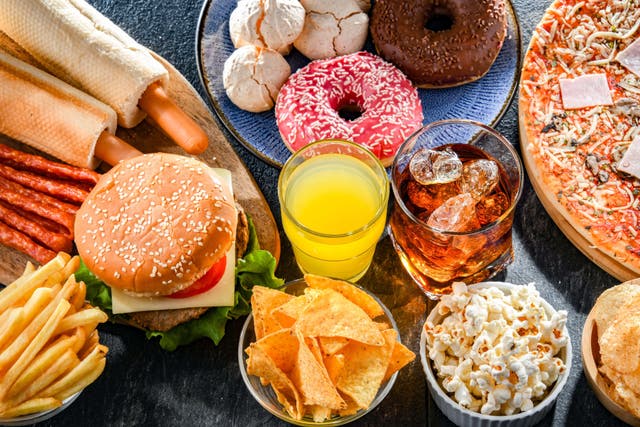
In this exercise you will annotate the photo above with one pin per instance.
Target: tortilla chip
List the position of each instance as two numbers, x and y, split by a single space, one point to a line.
364 369
312 380
288 313
263 301
334 365
319 413
332 345
349 291
332 315
352 406
314 346
400 356
608 303
382 326
281 347
260 364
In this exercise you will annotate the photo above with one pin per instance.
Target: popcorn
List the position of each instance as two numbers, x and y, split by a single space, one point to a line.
496 353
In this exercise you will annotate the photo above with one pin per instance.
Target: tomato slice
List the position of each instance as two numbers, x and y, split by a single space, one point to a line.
206 282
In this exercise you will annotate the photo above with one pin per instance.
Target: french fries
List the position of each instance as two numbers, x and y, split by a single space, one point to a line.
49 345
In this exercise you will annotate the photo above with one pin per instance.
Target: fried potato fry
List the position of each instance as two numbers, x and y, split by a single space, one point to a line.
31 406
49 346
88 365
26 284
33 347
81 318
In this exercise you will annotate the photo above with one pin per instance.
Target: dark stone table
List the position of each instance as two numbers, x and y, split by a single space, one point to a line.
201 385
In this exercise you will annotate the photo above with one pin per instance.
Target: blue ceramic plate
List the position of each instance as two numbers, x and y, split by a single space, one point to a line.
484 100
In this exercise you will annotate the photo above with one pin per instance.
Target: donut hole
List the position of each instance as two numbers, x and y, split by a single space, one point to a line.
350 112
440 19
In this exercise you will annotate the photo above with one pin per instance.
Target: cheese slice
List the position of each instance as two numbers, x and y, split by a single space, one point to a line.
630 162
585 91
630 57
221 295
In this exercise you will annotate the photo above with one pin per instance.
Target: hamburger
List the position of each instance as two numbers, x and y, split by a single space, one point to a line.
159 237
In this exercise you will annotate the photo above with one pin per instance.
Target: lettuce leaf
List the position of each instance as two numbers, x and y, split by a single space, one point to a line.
257 267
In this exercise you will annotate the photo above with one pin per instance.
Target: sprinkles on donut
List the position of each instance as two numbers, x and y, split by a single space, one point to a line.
439 43
357 97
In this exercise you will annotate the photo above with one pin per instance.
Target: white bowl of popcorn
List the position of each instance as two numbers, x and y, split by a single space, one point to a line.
495 354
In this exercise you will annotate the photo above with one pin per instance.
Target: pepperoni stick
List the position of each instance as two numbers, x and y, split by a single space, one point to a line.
36 196
34 163
23 198
55 241
20 241
47 223
52 187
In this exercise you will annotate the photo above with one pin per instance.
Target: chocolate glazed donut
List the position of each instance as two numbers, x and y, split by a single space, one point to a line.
439 43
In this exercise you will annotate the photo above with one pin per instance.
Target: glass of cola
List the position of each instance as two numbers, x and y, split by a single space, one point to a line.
456 184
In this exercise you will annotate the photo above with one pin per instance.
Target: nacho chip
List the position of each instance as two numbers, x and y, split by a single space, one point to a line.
351 408
332 345
349 291
314 346
319 413
281 347
364 369
334 365
332 315
260 364
312 380
263 301
400 356
288 313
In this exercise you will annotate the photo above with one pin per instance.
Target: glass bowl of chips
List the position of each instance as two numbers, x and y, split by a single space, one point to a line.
518 295
327 343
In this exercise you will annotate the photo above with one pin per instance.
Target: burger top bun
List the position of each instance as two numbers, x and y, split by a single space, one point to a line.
155 224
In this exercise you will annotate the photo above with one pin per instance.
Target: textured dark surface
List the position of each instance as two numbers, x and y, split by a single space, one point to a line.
200 384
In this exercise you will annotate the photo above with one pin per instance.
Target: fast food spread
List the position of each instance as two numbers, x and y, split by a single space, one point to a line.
49 346
578 109
163 244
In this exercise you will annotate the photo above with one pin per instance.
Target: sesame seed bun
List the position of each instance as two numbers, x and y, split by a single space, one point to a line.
155 224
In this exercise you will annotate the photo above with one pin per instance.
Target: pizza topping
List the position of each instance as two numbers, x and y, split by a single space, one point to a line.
555 123
585 91
630 162
630 57
627 106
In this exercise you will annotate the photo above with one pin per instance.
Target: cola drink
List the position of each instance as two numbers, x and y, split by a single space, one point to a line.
452 223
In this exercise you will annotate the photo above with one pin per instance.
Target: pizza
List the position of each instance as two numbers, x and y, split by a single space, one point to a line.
579 110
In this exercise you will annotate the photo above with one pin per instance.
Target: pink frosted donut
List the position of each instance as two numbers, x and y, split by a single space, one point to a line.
310 102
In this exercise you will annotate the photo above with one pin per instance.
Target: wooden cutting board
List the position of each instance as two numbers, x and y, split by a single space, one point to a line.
147 138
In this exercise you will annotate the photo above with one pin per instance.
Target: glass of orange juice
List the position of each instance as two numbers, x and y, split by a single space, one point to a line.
333 199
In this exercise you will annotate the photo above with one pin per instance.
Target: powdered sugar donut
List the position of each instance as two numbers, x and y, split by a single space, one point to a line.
311 102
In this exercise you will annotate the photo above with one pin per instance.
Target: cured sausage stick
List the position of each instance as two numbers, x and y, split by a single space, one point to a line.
57 189
38 203
20 241
76 43
54 241
21 160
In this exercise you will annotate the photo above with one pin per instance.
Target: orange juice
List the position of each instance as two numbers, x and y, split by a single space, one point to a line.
333 212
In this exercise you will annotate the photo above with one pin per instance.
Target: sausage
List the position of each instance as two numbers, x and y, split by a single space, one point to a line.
52 240
20 241
52 187
40 204
32 162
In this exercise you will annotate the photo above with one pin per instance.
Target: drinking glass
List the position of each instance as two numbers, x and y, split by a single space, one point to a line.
333 199
456 185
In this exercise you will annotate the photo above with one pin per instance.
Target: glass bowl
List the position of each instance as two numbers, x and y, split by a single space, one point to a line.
38 417
265 395
462 416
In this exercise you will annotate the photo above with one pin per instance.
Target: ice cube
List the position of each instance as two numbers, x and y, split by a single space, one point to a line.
479 177
429 197
457 214
435 167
